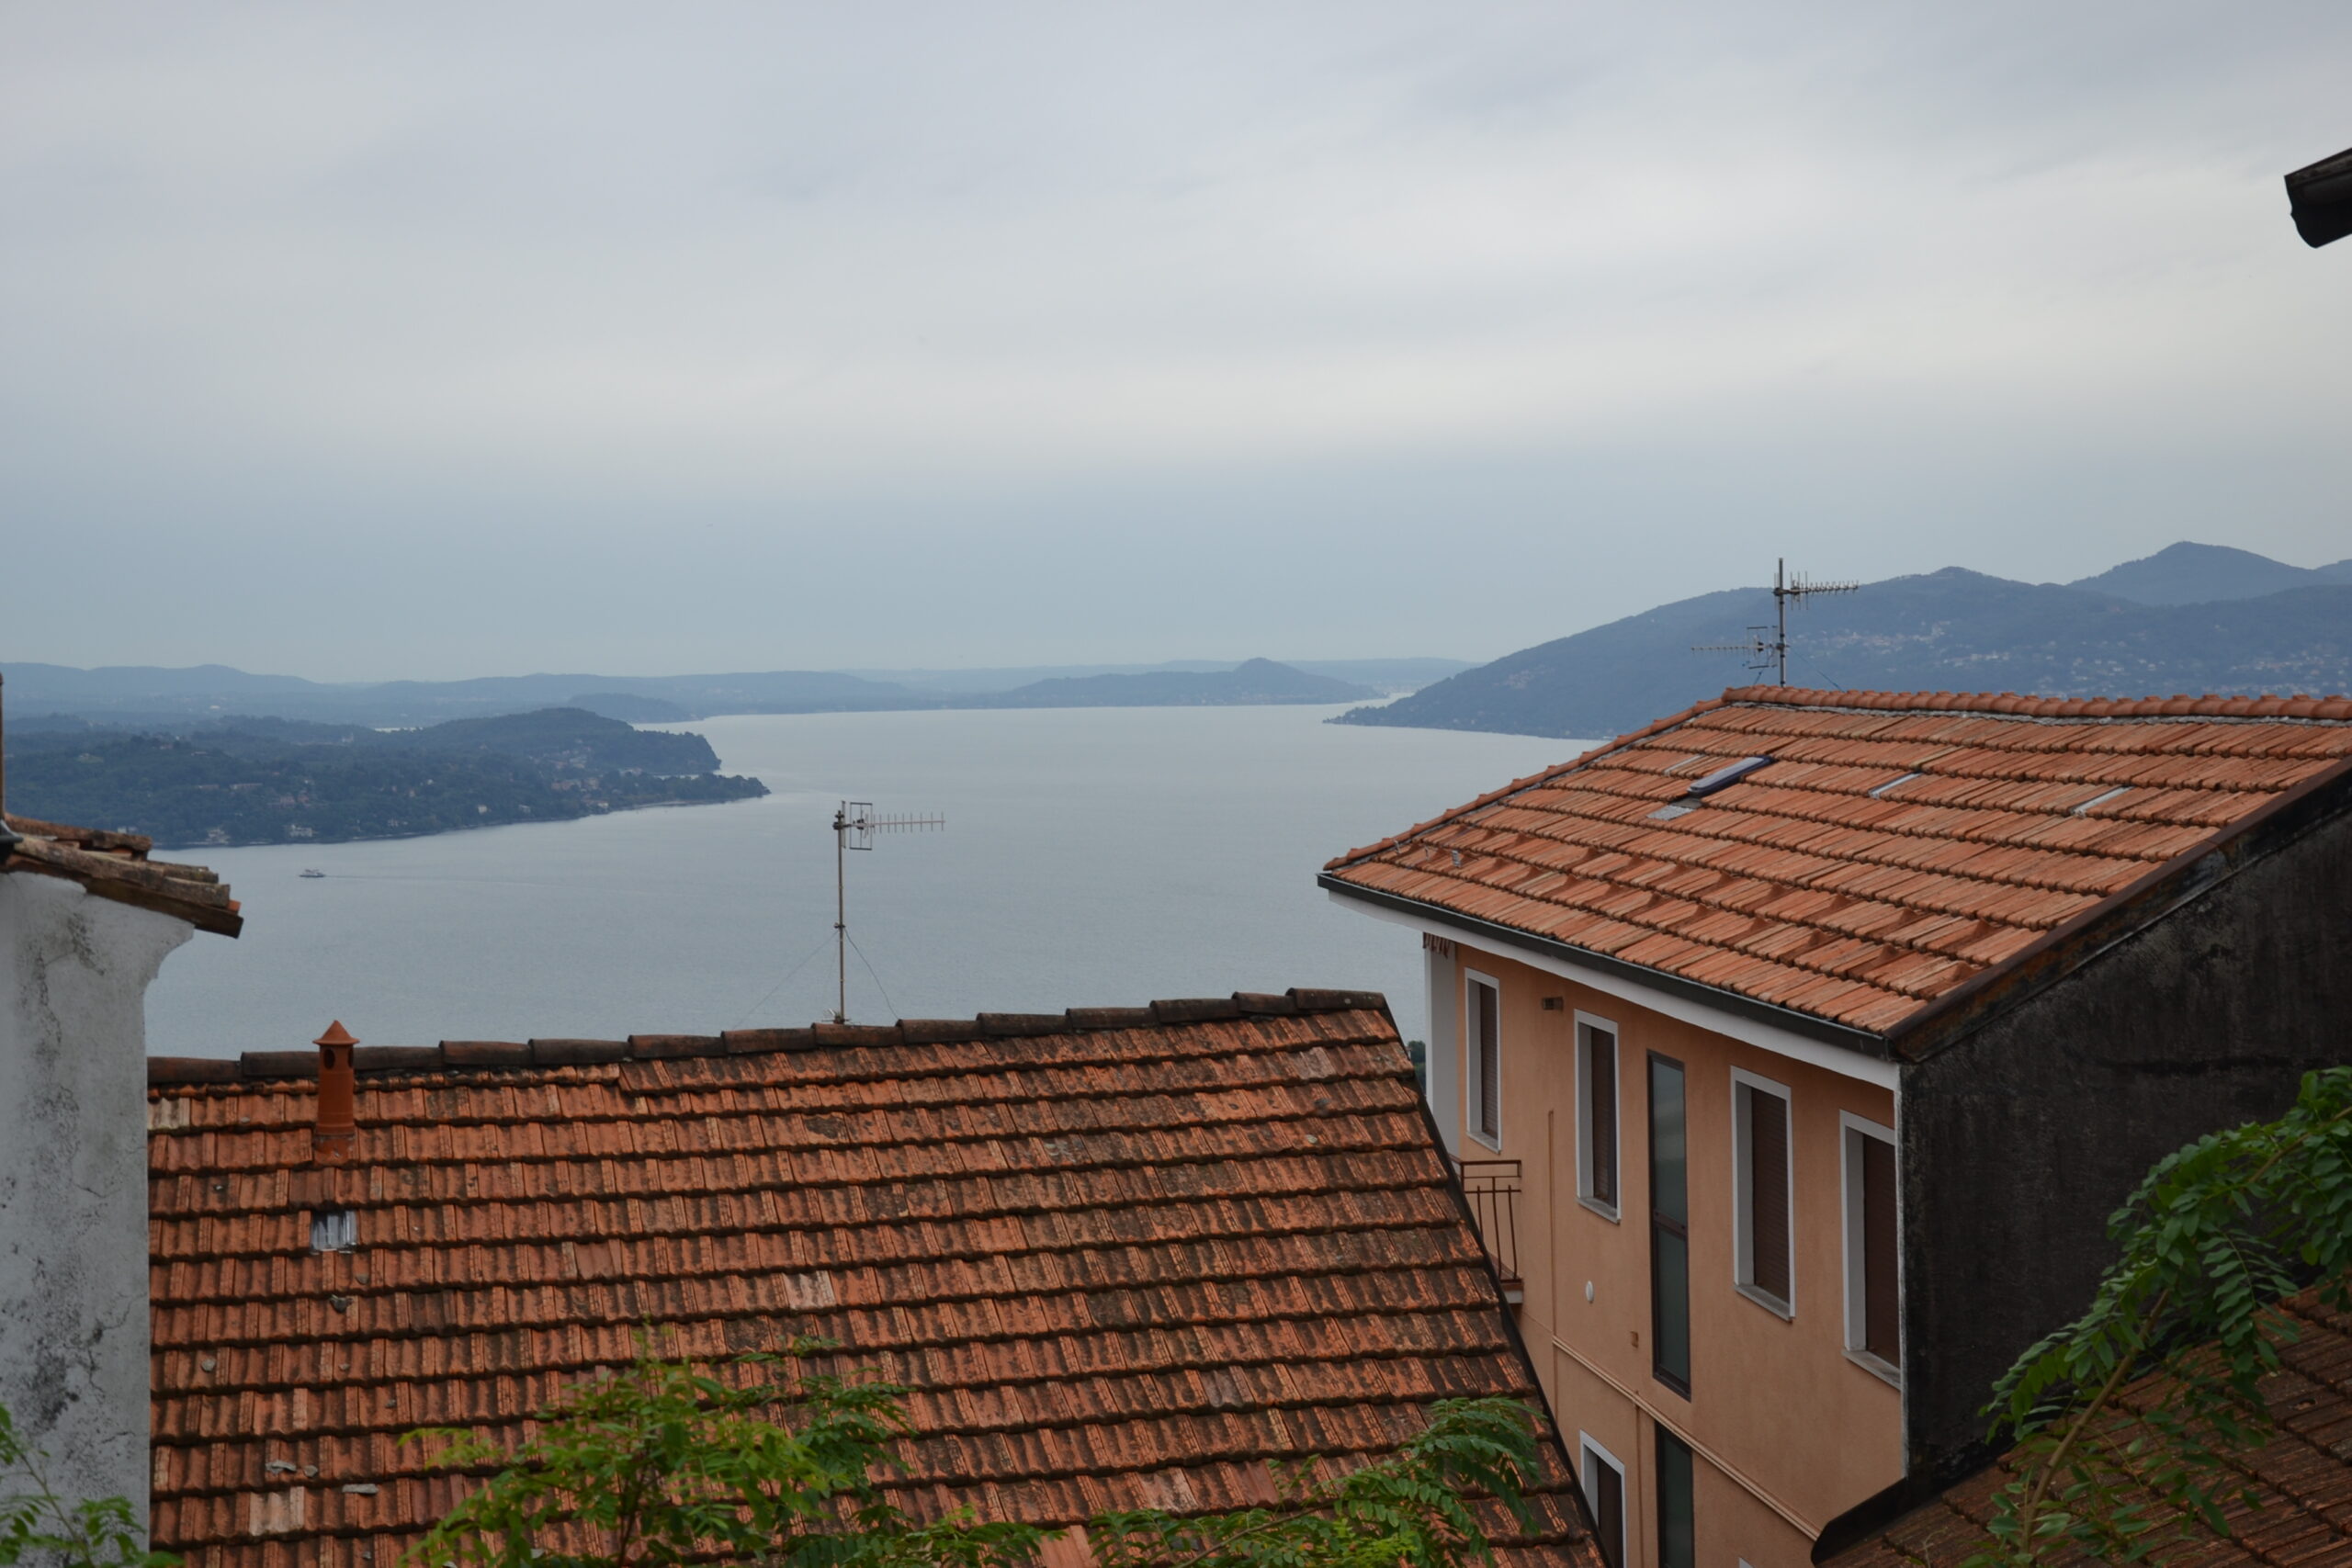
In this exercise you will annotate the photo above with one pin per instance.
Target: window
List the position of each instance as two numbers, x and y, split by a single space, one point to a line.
1669 1228
1604 1491
1676 1542
1874 1268
1762 1191
1597 1114
334 1230
1485 999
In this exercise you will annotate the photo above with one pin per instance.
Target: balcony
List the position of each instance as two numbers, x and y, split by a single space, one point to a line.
1491 1188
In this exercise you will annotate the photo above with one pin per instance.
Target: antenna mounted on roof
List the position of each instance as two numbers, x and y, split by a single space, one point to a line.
1772 652
854 826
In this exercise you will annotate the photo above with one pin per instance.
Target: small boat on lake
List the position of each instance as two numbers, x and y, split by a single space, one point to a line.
313 870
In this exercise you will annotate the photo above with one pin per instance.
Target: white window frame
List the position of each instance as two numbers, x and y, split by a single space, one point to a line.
1586 1025
1471 1068
1587 1452
1849 1181
1743 1276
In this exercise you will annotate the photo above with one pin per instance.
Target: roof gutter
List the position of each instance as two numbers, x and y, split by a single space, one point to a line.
2065 949
1859 1040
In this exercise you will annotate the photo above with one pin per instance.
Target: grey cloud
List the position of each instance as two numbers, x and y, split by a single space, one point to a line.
1029 332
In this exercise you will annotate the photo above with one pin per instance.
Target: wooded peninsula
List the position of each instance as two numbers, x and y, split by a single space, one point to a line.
275 780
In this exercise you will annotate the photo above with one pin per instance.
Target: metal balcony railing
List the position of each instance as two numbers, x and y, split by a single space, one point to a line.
1492 1188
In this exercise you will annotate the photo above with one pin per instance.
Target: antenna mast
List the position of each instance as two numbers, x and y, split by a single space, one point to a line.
1772 653
855 825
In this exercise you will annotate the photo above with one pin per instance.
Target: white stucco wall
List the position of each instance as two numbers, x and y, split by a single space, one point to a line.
73 974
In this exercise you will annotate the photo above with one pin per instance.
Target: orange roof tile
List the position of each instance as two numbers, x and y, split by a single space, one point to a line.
2302 1477
1123 1257
115 865
1902 844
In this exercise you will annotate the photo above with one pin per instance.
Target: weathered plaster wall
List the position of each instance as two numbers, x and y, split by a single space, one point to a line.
2020 1140
74 1177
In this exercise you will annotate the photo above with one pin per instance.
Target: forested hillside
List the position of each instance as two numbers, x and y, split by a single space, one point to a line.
1950 630
275 780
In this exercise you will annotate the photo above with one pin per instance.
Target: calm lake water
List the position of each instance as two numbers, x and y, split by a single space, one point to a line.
1091 857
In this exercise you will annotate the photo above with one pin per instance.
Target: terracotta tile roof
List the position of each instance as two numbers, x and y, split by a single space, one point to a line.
115 865
1124 1256
1897 846
2302 1476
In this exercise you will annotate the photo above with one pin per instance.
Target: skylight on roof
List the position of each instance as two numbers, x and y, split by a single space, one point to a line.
2101 799
334 1230
1895 784
1727 775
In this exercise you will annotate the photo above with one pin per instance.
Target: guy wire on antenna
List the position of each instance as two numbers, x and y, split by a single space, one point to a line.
855 825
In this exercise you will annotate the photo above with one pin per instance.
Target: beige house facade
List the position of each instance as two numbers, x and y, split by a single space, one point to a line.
1794 1050
1667 1362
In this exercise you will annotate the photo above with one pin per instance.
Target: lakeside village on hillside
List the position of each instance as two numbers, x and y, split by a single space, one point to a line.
1786 1060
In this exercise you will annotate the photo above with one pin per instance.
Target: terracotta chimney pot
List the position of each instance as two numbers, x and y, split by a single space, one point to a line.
332 1137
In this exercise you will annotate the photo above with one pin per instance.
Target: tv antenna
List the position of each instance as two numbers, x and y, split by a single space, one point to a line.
855 825
1772 652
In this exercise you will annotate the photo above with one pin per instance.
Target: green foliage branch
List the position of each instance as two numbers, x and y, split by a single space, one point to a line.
2210 1241
663 1463
1414 1507
39 1527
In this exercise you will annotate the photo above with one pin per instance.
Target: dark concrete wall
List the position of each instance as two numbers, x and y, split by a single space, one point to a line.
2023 1136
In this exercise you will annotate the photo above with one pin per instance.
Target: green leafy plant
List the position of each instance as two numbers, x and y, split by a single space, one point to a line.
2215 1235
1411 1509
663 1463
37 1526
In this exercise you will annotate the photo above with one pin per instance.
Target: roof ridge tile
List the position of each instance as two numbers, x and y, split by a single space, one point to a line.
572 1052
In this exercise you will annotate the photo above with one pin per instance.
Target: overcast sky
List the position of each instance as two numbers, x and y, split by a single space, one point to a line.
421 340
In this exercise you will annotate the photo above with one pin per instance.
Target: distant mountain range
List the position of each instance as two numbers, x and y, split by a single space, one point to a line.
2190 619
1252 681
2204 574
1390 676
165 698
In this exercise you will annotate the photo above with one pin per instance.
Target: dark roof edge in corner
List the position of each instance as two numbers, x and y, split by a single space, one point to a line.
1882 1507
2065 949
1860 1041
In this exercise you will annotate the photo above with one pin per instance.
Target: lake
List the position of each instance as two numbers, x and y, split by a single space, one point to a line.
1091 857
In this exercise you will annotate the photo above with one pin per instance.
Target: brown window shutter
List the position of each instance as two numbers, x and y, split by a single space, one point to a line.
1882 1306
1609 1514
1604 1118
1768 1191
1490 1094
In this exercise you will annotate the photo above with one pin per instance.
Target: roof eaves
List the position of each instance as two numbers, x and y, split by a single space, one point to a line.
2074 943
204 903
1860 1041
